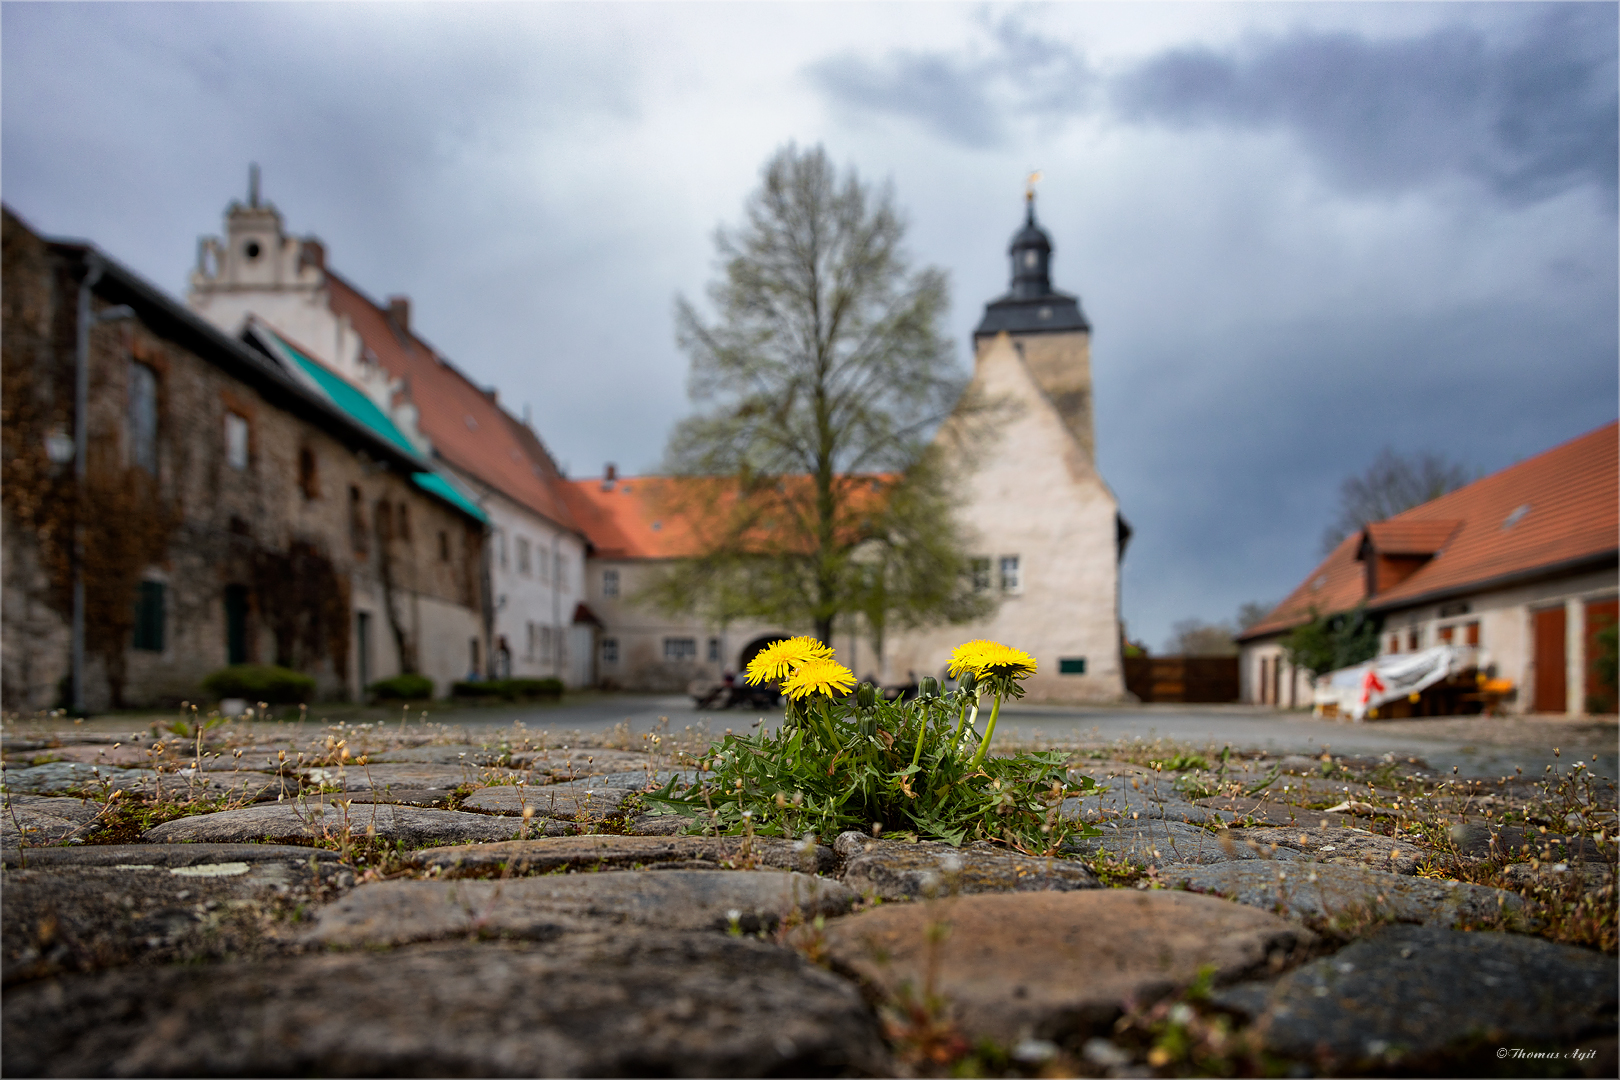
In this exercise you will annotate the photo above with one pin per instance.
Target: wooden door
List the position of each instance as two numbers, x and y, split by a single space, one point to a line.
1600 692
1550 661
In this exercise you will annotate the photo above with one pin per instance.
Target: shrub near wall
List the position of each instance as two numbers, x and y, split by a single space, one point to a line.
510 689
261 682
402 688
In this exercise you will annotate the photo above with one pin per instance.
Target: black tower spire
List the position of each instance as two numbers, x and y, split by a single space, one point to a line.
1031 305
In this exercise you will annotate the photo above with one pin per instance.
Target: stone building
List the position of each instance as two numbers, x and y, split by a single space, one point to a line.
1045 528
230 510
1520 570
257 275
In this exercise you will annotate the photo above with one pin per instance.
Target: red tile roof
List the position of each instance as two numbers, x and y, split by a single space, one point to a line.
1559 508
1337 584
669 517
624 520
467 427
1400 537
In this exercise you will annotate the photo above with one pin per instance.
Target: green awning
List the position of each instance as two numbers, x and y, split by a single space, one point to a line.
348 398
440 485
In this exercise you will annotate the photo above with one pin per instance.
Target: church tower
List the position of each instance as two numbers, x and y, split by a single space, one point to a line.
1047 328
1042 529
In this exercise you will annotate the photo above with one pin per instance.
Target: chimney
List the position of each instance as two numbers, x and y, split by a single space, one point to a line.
312 253
609 475
399 310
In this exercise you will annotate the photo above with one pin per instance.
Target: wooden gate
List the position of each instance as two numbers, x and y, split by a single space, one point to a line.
1197 679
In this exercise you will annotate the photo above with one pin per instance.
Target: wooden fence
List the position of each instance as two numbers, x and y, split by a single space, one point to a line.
1182 678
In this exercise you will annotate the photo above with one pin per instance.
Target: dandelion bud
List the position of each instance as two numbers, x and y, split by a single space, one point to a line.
928 687
967 682
866 695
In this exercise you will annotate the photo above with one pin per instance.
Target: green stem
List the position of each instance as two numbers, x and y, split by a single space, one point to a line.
989 733
922 729
956 736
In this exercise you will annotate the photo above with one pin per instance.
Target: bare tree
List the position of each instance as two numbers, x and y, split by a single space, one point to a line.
820 384
1195 637
1392 483
1251 613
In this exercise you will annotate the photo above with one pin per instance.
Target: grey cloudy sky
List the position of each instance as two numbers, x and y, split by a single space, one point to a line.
1302 231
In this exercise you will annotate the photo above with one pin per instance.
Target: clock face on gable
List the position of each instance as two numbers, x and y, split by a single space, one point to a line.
1030 258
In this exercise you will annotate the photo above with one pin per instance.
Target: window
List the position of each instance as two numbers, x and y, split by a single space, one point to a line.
1471 634
236 635
523 555
561 576
678 650
714 650
1445 634
545 643
309 478
444 546
610 650
149 616
531 631
143 417
1413 636
1072 665
403 514
236 441
981 574
610 583
500 547
1009 573
1394 643
545 565
473 650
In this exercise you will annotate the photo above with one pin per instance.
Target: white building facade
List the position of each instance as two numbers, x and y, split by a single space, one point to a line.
535 560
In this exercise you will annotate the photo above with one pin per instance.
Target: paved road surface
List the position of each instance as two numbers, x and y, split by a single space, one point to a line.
1476 746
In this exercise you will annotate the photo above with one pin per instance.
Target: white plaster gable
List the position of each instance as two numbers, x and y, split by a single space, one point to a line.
259 273
1032 455
1031 490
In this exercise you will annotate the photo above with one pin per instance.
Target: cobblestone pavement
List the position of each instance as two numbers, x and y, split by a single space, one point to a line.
484 894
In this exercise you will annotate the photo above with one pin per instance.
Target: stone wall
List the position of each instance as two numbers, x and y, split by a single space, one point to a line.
303 526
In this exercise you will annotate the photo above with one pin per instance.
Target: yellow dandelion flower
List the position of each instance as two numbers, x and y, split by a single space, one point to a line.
988 659
778 659
818 676
966 656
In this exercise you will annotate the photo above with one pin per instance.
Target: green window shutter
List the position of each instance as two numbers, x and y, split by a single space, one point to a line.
149 616
1072 665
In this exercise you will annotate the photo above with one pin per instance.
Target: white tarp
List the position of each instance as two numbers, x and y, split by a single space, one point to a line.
1388 678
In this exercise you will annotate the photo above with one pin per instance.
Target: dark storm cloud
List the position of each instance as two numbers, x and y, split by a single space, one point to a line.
1530 115
1231 473
1530 109
965 99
